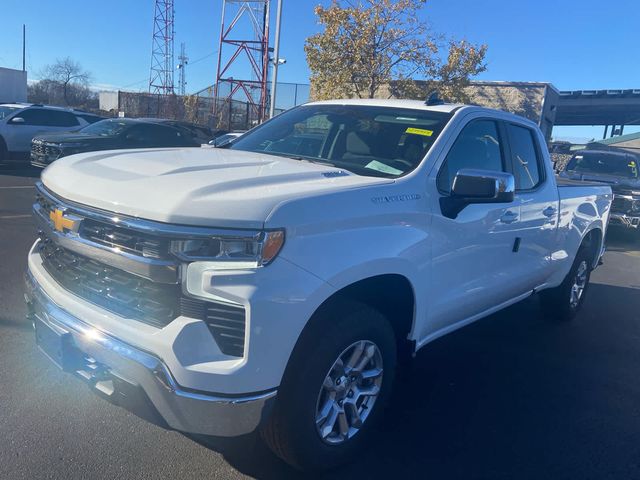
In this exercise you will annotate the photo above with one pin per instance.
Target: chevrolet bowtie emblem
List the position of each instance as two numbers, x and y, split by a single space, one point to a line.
60 222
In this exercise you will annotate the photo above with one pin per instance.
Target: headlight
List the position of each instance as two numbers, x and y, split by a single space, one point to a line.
635 205
254 250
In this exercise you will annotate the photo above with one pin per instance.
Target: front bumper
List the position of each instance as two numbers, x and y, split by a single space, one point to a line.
141 382
624 220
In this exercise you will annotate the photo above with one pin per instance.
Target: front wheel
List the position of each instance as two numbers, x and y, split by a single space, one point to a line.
334 390
564 302
4 153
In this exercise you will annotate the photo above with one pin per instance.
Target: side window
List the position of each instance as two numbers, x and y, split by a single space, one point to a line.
150 135
61 119
33 116
478 146
524 157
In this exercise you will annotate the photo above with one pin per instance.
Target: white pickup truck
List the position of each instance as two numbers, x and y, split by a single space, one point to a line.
277 284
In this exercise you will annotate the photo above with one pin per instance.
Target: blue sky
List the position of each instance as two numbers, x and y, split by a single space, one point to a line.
575 44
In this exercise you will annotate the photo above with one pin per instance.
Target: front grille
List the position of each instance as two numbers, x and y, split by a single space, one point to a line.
129 295
120 292
46 204
621 205
124 239
134 297
45 152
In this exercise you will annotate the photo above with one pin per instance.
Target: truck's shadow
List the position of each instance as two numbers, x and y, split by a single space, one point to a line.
512 396
623 240
20 170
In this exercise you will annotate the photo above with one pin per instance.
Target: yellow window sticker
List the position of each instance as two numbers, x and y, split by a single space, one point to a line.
419 131
632 164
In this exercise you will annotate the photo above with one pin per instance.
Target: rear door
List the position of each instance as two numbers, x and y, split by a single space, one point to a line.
537 198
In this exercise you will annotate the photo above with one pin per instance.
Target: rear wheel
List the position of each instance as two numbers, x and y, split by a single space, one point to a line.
565 301
334 390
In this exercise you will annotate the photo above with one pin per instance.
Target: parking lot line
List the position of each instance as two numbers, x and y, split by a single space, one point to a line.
9 217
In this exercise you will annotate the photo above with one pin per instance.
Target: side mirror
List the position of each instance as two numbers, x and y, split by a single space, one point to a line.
472 186
17 120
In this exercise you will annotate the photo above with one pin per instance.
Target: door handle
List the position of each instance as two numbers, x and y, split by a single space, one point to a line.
509 217
549 212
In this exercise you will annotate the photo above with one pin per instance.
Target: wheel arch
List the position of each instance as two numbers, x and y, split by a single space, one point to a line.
391 294
593 241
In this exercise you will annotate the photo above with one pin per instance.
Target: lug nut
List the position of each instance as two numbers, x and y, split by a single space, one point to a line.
350 394
340 403
338 381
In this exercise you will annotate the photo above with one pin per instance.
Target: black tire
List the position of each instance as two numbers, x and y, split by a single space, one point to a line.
4 154
291 431
557 302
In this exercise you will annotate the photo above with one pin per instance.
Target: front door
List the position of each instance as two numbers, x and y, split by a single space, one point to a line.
472 258
37 121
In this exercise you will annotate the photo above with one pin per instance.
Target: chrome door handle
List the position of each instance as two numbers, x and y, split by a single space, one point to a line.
550 212
509 217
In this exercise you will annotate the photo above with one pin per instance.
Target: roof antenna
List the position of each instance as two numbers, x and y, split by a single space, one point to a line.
434 99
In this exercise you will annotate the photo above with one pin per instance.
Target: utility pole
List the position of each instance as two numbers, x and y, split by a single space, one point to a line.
24 46
182 66
276 62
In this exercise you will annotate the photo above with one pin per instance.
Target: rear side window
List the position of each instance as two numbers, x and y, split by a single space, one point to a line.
155 136
48 118
89 118
478 146
61 119
525 158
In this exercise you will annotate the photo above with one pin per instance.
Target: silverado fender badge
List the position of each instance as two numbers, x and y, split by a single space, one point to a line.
407 197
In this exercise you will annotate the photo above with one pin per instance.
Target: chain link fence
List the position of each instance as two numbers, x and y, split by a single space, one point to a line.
202 107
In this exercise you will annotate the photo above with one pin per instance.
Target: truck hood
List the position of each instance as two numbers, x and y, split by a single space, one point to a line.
197 186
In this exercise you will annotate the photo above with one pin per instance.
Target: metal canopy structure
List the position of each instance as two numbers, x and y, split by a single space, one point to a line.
161 78
599 107
243 57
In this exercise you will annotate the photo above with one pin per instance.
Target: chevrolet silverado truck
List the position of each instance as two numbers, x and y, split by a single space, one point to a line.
276 285
619 169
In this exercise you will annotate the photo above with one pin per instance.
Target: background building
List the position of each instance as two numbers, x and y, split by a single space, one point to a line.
13 85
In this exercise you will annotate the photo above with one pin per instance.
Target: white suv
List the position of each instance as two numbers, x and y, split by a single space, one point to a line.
19 123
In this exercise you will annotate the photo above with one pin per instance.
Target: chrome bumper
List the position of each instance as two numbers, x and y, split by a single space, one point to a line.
624 220
141 382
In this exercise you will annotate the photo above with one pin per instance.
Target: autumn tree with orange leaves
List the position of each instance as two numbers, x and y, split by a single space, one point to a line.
373 48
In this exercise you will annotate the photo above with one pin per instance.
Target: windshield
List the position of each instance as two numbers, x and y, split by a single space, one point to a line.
604 164
366 140
106 128
6 111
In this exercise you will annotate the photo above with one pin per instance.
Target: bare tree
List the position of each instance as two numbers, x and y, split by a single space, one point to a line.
69 75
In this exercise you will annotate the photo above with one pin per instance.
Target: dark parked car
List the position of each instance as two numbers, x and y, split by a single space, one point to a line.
115 134
618 169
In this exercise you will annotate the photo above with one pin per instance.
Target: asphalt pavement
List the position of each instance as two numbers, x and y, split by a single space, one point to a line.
512 396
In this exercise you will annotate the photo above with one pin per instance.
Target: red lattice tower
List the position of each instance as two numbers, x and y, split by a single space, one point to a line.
243 56
161 78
